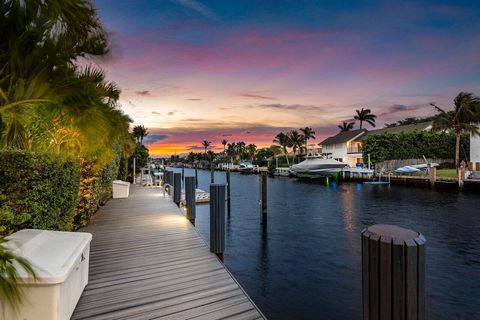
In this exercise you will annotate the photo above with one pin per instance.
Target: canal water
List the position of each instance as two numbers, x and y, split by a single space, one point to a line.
307 264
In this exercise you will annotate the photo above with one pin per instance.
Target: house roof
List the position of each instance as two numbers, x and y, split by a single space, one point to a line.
342 137
397 129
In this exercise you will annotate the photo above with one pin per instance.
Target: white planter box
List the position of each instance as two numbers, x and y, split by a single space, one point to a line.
121 189
60 260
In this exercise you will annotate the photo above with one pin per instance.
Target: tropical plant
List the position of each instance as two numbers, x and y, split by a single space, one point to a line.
10 290
462 119
346 126
224 143
284 142
251 150
139 133
206 144
297 142
308 134
365 115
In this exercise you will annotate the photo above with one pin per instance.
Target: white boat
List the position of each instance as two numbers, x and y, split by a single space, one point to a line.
424 166
407 170
316 166
246 166
283 172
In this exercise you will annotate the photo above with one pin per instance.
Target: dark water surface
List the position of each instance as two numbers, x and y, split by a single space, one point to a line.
307 265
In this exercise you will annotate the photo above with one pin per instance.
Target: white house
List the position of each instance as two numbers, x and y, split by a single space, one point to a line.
475 151
347 146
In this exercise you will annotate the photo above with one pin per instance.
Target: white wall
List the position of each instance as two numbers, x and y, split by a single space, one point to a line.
338 151
474 149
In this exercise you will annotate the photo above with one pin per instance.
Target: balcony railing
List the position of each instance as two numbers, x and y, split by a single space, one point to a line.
356 149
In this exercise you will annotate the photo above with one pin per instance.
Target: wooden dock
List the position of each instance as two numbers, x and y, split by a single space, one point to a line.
148 262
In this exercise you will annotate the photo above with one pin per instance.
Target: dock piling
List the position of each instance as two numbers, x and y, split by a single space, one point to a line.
229 204
177 188
393 273
190 198
196 176
212 174
217 219
263 199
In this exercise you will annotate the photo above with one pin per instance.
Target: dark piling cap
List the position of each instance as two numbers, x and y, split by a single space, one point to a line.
393 233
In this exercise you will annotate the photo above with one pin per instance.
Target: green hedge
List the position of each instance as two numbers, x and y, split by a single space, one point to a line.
37 191
413 145
95 189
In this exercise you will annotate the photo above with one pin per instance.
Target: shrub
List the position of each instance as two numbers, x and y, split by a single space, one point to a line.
95 189
37 191
413 145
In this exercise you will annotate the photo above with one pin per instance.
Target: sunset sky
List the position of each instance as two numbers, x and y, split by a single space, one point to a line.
193 70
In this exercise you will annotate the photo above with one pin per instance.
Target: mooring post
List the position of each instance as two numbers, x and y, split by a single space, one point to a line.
217 219
212 174
177 188
183 172
190 198
229 207
196 176
263 200
393 273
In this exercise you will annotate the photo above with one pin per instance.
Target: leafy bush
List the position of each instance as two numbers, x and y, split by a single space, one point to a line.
123 169
95 189
37 191
413 145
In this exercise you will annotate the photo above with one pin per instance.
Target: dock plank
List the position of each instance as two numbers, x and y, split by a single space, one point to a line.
148 262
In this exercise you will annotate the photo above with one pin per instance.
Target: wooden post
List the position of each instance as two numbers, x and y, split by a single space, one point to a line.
229 206
432 176
134 170
263 200
183 172
177 188
477 166
461 176
196 176
470 166
212 174
190 198
393 273
217 219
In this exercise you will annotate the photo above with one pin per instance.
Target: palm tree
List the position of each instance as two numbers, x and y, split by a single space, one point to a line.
297 140
462 119
365 115
308 134
240 150
283 141
251 150
224 143
140 132
206 144
346 126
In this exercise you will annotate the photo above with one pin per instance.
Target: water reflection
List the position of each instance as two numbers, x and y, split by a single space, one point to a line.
306 264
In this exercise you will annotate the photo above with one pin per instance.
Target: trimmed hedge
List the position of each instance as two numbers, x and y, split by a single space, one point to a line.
413 145
37 191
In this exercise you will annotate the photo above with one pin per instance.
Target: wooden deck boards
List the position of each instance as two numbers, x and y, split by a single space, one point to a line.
148 262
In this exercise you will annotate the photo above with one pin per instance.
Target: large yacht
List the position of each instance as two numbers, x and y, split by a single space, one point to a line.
316 165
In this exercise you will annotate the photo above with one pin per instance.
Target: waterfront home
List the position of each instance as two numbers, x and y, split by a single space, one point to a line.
347 146
475 152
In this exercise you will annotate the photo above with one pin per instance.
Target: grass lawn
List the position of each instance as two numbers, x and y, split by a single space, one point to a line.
446 173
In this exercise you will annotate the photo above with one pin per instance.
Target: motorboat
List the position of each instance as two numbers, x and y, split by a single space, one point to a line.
407 170
245 166
316 165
